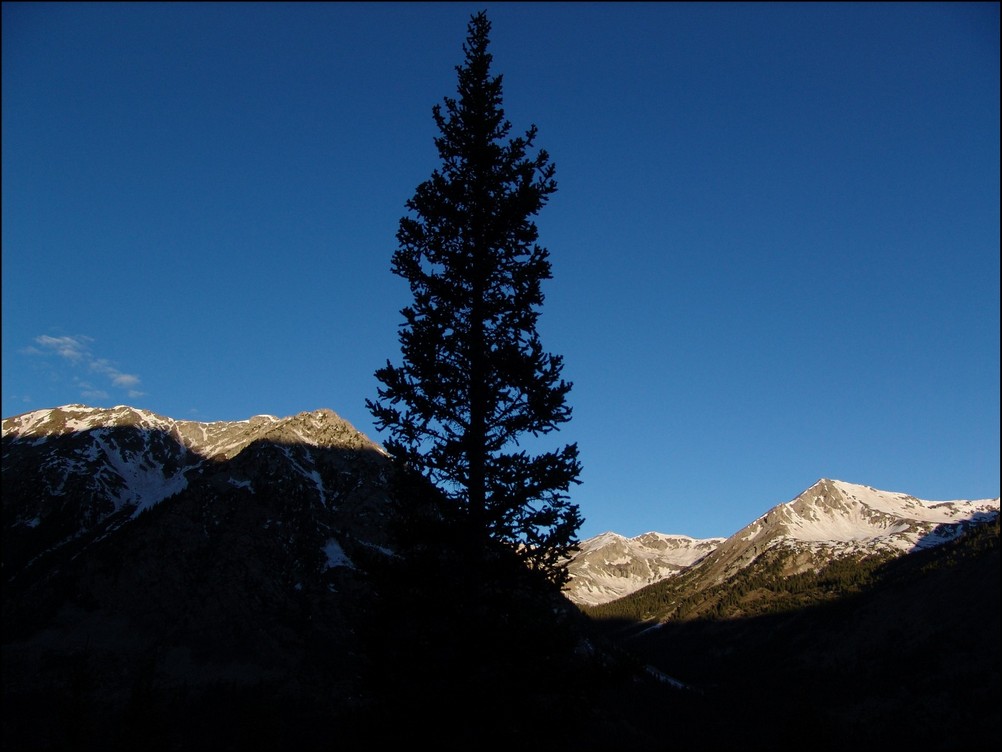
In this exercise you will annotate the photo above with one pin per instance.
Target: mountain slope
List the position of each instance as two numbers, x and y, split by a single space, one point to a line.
204 561
73 474
830 521
275 583
907 658
834 519
846 618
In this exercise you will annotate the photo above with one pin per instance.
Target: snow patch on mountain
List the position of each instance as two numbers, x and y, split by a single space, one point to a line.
336 557
144 483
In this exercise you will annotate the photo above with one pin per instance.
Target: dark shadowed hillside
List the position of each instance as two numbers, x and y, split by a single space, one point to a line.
264 584
896 655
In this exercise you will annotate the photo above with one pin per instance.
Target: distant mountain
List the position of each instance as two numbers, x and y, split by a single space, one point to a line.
610 566
831 520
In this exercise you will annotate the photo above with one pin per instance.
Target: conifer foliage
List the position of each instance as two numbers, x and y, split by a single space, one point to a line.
475 378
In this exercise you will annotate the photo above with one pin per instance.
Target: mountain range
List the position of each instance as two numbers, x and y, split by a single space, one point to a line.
254 584
830 520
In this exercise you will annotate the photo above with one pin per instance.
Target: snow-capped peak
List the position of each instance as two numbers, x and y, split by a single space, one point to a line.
830 519
78 469
837 512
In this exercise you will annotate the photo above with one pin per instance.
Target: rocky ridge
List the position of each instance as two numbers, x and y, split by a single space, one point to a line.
75 471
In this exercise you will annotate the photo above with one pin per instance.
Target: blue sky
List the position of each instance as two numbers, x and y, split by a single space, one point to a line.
775 240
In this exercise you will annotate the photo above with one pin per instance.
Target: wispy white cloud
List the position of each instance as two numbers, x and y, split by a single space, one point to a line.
77 351
72 348
125 380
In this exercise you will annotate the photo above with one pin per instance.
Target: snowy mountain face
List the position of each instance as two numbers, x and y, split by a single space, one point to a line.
128 530
76 471
832 512
610 566
833 518
829 520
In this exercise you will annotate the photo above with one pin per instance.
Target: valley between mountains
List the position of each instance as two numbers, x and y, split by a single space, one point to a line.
256 584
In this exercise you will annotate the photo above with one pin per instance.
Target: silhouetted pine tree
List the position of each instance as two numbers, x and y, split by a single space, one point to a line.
475 377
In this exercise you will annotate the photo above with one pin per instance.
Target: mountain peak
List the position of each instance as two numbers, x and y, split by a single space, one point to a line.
837 512
78 469
830 519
